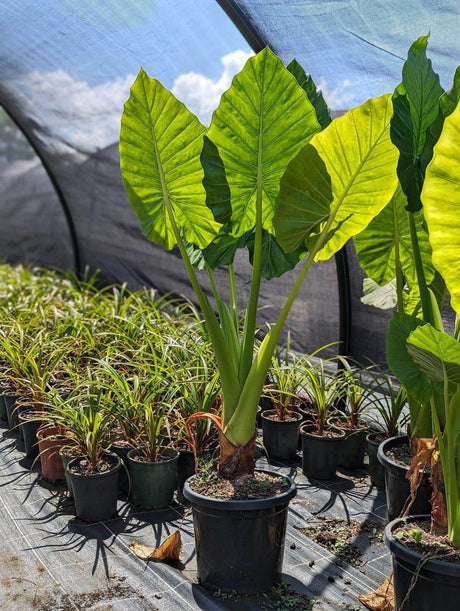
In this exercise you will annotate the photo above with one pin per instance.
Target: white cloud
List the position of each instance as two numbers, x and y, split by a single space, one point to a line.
83 117
338 98
202 94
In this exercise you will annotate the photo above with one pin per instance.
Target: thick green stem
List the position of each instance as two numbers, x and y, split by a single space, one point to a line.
421 280
399 274
233 294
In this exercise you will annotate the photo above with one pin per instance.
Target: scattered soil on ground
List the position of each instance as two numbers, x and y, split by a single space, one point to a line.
341 537
246 487
281 597
417 537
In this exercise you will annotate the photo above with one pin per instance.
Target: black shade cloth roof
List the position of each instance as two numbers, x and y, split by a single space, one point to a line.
65 71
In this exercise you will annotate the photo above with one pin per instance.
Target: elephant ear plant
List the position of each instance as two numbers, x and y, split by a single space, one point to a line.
263 177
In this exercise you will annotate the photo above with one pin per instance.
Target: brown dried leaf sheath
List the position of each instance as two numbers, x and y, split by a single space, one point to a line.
233 460
170 549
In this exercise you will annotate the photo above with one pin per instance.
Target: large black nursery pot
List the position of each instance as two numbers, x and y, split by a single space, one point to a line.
320 455
397 487
153 483
376 470
12 411
95 495
280 437
239 543
436 584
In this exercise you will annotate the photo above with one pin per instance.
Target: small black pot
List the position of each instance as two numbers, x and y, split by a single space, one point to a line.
280 437
239 544
437 585
153 483
95 495
122 452
397 487
3 412
12 411
320 455
353 449
29 427
376 470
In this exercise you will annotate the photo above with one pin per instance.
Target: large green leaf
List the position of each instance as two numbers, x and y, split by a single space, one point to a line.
381 297
343 178
441 205
436 353
387 233
215 184
261 123
160 146
416 108
399 360
314 95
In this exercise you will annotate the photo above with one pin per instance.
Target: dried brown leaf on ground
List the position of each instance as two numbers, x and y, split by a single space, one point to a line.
381 599
170 549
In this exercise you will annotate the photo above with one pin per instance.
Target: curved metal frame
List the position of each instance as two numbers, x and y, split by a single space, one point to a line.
58 190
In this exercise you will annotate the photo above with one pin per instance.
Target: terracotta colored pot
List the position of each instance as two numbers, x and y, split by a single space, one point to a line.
50 441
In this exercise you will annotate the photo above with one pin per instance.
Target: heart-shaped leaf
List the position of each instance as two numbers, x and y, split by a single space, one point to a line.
160 146
436 353
416 108
340 181
259 126
399 360
314 95
388 233
441 206
275 262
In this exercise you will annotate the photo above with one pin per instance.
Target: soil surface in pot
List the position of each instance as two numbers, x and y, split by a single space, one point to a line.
401 455
245 487
292 417
340 536
140 458
104 464
328 434
417 537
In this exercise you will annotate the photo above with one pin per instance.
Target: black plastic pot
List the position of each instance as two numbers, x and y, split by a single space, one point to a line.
12 411
95 495
122 452
153 483
280 437
437 585
66 457
320 455
29 425
3 413
353 449
376 470
397 487
239 544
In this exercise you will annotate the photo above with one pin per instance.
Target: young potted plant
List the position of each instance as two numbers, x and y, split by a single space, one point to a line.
350 417
94 472
388 416
280 425
322 440
194 388
259 179
153 461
